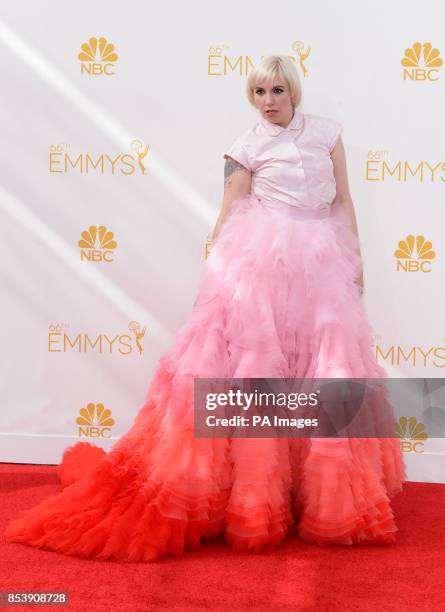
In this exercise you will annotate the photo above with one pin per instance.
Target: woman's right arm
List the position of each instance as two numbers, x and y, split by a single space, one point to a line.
237 182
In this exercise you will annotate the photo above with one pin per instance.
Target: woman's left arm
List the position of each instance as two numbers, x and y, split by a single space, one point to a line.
343 196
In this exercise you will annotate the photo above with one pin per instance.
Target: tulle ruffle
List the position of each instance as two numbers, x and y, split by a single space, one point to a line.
277 299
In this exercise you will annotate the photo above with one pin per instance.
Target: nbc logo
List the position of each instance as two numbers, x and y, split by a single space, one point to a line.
421 62
414 254
97 57
90 250
412 434
95 421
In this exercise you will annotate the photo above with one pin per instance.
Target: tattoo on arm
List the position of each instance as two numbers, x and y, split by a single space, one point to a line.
230 167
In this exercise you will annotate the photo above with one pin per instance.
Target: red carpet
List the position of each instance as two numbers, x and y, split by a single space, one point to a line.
407 576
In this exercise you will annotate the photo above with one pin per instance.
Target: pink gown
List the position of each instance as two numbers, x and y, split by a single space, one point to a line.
277 298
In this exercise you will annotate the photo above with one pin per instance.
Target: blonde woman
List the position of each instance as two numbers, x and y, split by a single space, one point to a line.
280 297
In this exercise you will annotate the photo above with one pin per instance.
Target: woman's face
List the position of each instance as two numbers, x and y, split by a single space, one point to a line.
274 101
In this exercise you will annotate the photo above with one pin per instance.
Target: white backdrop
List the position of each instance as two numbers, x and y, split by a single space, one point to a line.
130 137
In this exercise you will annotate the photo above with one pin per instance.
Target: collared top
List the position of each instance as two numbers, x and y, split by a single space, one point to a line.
291 164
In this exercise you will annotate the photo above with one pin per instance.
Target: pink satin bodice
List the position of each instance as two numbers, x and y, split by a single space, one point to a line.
291 164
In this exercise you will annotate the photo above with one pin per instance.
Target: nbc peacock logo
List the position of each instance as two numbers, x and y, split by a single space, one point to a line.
95 421
97 244
414 254
412 434
97 57
421 62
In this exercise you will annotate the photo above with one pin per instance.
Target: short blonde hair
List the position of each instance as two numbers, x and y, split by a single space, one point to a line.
270 67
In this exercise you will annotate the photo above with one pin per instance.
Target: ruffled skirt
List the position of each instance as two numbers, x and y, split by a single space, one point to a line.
277 298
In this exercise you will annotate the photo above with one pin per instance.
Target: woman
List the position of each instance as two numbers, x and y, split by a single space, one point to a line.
280 297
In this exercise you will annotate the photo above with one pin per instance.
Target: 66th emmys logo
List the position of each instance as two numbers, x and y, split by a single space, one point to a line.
414 254
221 63
62 160
94 421
381 168
421 62
97 57
61 339
408 355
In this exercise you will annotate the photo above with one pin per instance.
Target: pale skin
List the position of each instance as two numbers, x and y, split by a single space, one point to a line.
237 179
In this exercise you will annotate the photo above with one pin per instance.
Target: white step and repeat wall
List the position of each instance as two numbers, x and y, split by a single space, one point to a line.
114 120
